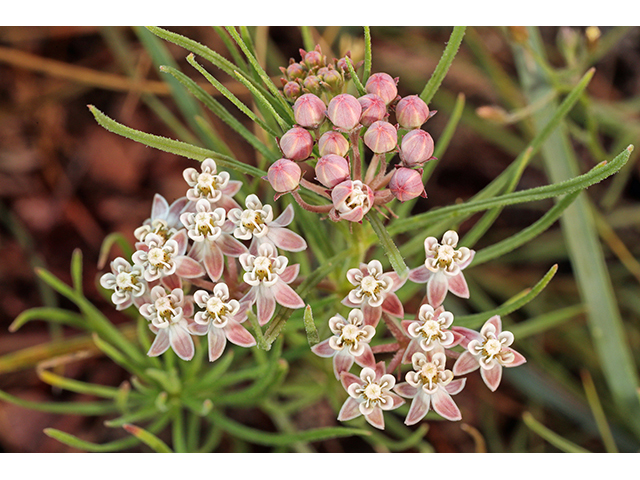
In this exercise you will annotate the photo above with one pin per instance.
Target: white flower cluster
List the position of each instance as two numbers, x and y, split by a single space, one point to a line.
196 241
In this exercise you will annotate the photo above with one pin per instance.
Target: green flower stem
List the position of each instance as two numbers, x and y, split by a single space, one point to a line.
443 65
389 247
64 408
367 55
147 438
354 77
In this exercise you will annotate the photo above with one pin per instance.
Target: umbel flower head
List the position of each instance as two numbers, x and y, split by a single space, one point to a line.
220 320
442 269
349 343
369 395
430 384
490 350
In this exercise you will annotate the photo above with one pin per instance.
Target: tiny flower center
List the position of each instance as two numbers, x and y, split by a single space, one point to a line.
357 198
252 220
262 267
445 255
431 328
350 334
216 307
161 228
429 372
203 223
370 286
124 281
206 183
157 257
492 347
164 307
373 392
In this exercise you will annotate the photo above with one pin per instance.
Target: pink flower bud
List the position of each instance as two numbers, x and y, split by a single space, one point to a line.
292 90
314 58
412 112
295 70
296 144
332 170
416 148
352 199
333 79
309 111
344 111
406 184
381 137
373 109
333 142
284 175
312 84
383 85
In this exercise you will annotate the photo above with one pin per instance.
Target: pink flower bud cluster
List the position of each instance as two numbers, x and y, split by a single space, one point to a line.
184 249
314 74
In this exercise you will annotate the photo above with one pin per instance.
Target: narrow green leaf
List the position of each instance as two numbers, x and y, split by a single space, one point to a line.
174 146
144 413
231 97
310 327
260 99
598 412
580 182
367 55
240 63
475 320
550 436
64 408
147 438
307 38
280 439
108 242
76 270
77 386
221 112
388 245
443 65
354 77
547 321
526 235
49 314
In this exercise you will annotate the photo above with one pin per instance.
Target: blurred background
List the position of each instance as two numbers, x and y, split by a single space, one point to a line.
66 183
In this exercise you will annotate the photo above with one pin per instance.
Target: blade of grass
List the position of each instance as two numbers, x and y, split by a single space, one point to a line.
550 436
147 438
445 62
598 412
587 257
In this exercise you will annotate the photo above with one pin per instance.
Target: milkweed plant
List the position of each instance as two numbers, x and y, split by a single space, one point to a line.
308 276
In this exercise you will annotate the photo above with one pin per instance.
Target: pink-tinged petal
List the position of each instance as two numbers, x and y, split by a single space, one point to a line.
518 360
266 305
375 418
496 322
286 296
323 349
342 362
413 347
420 275
380 369
419 408
171 281
466 363
468 260
187 267
290 273
187 307
455 386
367 359
437 289
181 342
396 401
217 342
239 335
230 246
444 405
492 376
371 314
176 208
160 207
405 325
348 303
397 281
198 329
182 239
349 410
213 261
354 215
347 379
160 344
286 239
457 339
249 298
227 202
285 217
393 306
468 335
458 286
232 187
406 390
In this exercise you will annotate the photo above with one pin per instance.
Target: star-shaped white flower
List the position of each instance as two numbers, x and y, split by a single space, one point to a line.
430 331
208 184
126 281
442 269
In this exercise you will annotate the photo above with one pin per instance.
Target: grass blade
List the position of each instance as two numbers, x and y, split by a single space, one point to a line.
443 65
